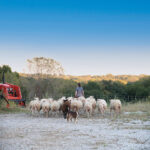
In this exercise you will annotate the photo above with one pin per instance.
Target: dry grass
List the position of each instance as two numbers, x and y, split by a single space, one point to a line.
136 111
134 107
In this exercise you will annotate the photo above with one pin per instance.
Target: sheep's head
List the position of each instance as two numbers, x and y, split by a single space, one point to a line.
63 98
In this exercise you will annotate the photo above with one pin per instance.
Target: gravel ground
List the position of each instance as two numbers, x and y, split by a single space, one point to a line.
24 132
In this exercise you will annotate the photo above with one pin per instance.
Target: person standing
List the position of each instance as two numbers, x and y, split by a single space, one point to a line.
79 91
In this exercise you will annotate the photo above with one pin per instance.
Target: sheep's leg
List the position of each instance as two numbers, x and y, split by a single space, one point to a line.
67 119
87 114
100 109
90 113
47 114
38 113
103 113
93 111
116 113
71 119
32 112
77 117
50 113
56 113
99 112
53 113
60 113
110 112
84 111
119 110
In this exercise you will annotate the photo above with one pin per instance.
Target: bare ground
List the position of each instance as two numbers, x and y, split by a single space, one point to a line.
25 132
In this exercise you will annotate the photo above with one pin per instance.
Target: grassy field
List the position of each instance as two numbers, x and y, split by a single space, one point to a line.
134 107
12 109
136 111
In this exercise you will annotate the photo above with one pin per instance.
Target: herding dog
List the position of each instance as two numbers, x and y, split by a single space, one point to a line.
65 108
72 114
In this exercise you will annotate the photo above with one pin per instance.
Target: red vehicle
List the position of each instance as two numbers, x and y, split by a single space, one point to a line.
11 92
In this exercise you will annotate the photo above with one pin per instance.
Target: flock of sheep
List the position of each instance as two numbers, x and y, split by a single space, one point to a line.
80 105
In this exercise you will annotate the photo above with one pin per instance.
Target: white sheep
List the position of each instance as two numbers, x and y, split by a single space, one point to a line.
74 105
43 100
30 106
115 104
79 104
35 106
102 105
70 99
46 106
93 101
55 106
50 100
61 101
82 99
88 108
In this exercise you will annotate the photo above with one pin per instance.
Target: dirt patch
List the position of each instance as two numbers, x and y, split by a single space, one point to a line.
24 132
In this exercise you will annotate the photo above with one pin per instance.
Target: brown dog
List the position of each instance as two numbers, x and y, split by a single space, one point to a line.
65 107
72 114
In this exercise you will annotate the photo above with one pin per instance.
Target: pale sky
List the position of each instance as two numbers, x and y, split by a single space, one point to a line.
82 61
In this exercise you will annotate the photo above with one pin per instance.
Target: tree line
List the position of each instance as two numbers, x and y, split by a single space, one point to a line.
50 86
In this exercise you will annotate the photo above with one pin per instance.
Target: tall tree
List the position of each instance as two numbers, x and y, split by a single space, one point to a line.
42 65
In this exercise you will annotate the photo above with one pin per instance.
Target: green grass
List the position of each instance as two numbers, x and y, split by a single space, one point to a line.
12 109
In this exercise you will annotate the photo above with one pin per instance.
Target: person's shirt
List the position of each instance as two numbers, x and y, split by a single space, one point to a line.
79 91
